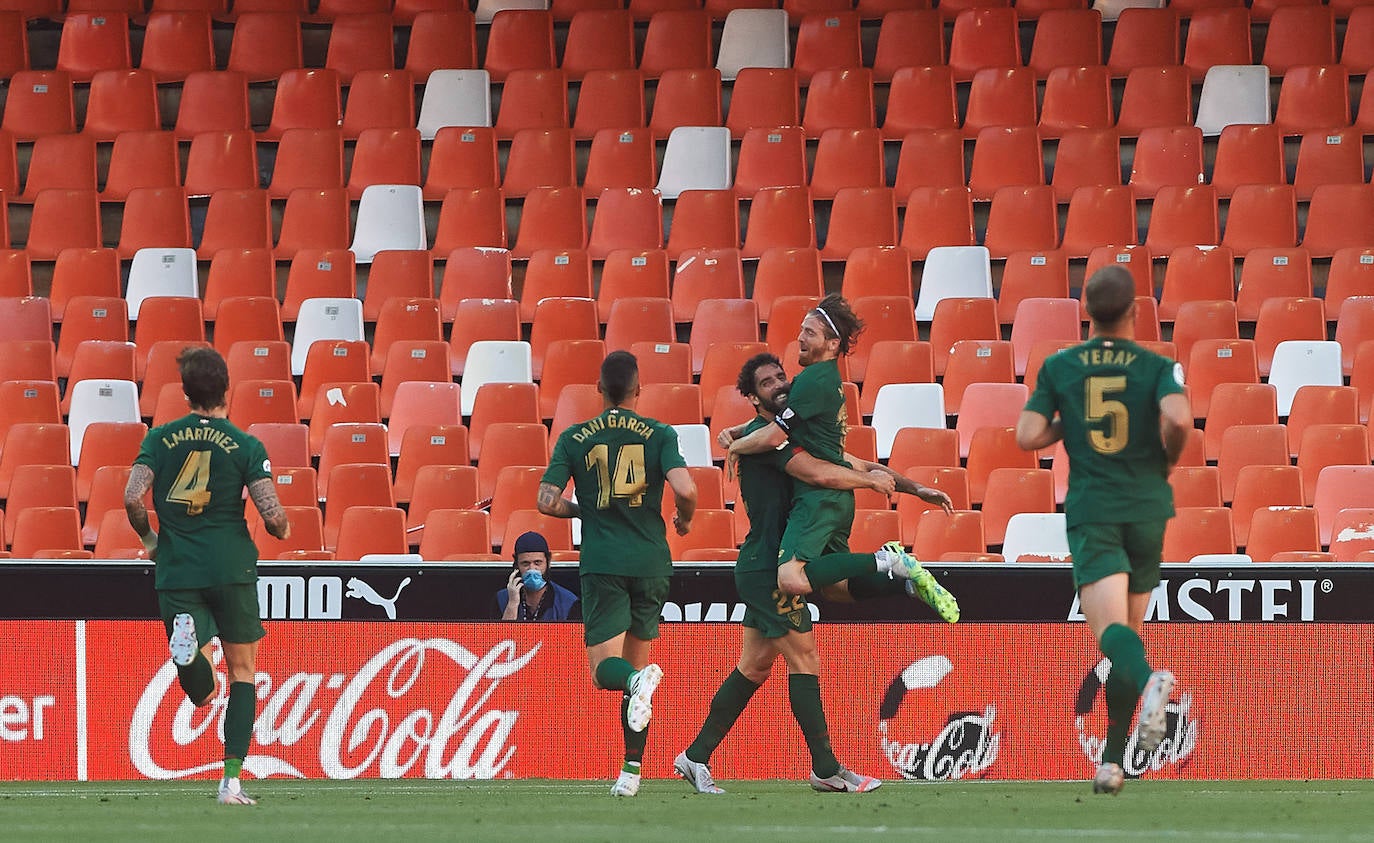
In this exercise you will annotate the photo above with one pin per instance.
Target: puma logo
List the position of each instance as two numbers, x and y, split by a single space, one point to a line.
362 591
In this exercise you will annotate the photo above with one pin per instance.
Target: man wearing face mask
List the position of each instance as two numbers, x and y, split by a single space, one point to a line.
529 595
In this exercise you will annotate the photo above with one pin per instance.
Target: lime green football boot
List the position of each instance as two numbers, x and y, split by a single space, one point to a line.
921 583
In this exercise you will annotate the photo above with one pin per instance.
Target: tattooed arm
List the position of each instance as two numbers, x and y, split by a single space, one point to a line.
264 495
552 502
140 481
904 485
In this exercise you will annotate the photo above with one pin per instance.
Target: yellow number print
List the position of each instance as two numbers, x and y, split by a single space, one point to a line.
787 603
1101 407
191 485
627 478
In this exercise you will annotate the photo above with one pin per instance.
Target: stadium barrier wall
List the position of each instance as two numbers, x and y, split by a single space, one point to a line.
99 700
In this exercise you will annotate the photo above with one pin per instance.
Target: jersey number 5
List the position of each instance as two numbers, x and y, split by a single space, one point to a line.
191 485
1100 407
625 480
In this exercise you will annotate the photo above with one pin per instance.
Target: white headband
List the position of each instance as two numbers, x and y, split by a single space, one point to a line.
828 320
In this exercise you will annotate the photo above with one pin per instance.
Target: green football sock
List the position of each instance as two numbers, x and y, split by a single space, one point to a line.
1121 699
197 679
232 767
238 718
1127 653
871 586
634 741
613 674
726 707
834 567
804 692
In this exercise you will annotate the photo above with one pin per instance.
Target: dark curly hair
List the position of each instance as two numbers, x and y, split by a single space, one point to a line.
745 382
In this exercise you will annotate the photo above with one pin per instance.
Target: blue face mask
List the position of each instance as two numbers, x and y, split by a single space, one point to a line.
533 580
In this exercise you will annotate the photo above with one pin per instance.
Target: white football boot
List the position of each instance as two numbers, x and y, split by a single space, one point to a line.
626 784
1153 723
1109 779
845 781
183 644
642 686
697 775
231 793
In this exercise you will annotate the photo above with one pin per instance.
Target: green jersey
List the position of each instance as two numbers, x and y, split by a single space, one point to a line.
1107 393
815 415
200 468
766 491
618 462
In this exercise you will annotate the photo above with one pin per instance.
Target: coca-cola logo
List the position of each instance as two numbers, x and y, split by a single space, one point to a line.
418 706
965 745
1180 738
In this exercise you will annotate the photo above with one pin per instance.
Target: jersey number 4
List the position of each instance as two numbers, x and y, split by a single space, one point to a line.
192 484
624 480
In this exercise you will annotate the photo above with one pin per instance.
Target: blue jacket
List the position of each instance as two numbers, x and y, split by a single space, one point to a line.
564 603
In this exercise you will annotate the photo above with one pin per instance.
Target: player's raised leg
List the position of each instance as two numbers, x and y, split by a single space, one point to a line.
613 672
1159 684
194 672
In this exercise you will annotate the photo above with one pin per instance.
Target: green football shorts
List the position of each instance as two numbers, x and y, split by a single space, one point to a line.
768 610
1133 548
229 611
819 523
613 604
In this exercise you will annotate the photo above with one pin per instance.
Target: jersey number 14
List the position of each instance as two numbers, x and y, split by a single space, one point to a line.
624 480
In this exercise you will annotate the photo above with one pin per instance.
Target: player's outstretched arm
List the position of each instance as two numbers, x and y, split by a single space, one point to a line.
551 502
685 496
827 475
903 484
264 494
1034 431
140 481
1175 422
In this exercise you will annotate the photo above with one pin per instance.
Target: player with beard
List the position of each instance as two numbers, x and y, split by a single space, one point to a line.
776 623
815 545
1124 420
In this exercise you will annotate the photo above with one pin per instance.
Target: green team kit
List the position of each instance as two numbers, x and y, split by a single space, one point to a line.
765 489
815 422
206 560
618 462
1107 393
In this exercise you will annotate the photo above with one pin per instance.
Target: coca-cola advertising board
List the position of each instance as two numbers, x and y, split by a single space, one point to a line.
99 700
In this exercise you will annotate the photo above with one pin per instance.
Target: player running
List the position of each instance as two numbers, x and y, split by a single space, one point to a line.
1124 420
774 623
618 462
814 551
206 573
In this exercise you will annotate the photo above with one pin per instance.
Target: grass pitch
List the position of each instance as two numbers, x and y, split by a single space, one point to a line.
751 812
